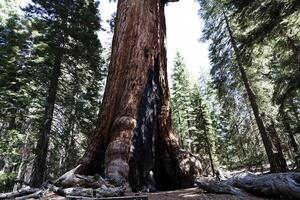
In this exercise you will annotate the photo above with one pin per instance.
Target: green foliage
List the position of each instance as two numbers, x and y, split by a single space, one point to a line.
7 180
71 26
28 47
191 116
267 38
180 102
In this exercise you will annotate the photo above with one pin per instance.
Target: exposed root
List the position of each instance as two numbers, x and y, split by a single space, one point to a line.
71 184
72 179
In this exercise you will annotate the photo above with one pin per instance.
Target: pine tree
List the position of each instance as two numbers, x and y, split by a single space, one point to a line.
191 116
14 76
180 102
224 43
204 130
69 29
272 28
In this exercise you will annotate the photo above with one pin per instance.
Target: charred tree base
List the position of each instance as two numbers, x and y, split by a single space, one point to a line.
152 167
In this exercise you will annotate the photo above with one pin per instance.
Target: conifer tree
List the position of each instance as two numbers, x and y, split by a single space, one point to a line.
190 114
224 44
180 101
69 29
204 130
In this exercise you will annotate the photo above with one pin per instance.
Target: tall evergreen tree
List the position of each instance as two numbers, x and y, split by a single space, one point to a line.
14 77
180 102
204 130
191 116
224 43
69 29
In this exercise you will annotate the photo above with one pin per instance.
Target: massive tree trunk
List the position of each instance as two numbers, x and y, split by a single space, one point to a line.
134 139
39 164
275 156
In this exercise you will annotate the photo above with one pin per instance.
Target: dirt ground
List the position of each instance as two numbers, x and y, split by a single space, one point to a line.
184 194
194 194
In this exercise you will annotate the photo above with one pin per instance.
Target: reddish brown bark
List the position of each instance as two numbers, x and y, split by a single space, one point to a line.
136 119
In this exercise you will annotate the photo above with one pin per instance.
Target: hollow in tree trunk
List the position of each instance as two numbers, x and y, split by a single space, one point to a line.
134 139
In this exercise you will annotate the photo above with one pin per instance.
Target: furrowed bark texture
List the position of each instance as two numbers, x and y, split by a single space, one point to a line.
135 136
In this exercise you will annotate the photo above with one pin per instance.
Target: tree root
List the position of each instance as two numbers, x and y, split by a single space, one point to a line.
103 191
22 192
280 185
71 184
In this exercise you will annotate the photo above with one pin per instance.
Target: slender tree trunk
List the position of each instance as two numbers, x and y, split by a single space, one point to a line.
288 129
276 142
70 148
275 165
295 48
209 151
207 130
134 138
25 155
295 111
41 151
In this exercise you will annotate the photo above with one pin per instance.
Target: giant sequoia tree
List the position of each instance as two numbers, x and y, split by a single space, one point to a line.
134 139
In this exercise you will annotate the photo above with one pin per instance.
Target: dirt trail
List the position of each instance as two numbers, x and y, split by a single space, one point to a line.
194 194
184 194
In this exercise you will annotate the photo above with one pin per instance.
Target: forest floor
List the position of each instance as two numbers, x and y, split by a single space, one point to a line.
184 194
194 194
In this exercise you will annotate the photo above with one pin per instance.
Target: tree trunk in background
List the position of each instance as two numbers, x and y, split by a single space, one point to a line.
277 146
134 139
207 130
39 164
209 151
25 155
275 164
295 111
288 129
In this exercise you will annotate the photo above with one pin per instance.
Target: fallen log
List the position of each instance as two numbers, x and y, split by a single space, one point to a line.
35 195
102 191
219 188
284 185
18 193
143 197
279 185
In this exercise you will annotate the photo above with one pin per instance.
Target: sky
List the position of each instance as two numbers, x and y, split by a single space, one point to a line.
183 33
